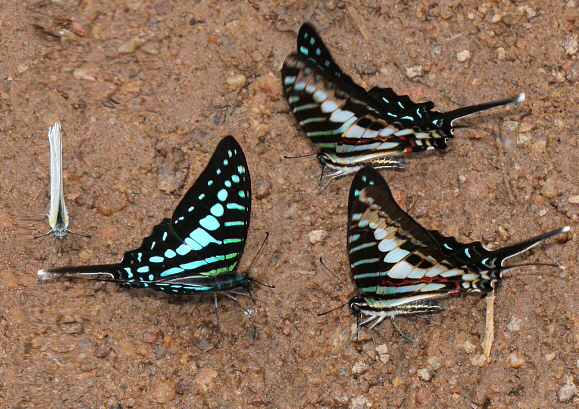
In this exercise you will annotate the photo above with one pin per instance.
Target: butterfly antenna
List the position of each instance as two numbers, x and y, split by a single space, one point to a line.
258 251
332 310
253 261
299 156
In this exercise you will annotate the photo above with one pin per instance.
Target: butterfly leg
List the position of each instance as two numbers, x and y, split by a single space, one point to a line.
366 321
216 309
237 301
400 331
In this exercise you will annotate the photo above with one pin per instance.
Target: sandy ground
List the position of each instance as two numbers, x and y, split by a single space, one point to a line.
146 89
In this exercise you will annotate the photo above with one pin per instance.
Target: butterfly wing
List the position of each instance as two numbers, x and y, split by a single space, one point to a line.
391 255
199 247
58 216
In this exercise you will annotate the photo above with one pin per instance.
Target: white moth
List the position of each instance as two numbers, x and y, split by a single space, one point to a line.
58 216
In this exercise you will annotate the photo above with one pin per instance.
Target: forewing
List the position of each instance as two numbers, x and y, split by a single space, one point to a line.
206 234
391 255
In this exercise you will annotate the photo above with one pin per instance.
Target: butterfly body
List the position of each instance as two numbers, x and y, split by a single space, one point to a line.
198 249
354 127
400 267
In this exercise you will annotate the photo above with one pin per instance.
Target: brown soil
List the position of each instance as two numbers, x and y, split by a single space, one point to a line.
145 91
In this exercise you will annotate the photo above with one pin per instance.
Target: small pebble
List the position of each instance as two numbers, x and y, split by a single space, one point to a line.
571 44
150 48
516 361
150 338
574 199
382 351
359 368
262 188
396 382
360 402
463 56
567 391
514 324
469 348
236 81
205 379
550 356
478 360
549 189
164 392
461 179
316 236
435 363
414 71
286 328
539 147
84 74
501 53
78 29
523 139
425 374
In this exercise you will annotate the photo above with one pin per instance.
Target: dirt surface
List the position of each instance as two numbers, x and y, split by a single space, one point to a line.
146 89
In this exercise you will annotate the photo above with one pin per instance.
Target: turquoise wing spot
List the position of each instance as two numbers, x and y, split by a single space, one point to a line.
231 241
129 272
218 171
193 244
153 245
217 210
240 169
156 259
143 269
225 162
172 271
164 236
222 195
139 256
235 206
209 183
242 194
193 265
210 223
235 179
230 153
170 253
227 183
151 277
183 249
201 237
201 196
228 224
190 209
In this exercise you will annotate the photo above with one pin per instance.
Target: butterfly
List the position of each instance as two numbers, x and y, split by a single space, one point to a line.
399 267
353 127
198 249
58 217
